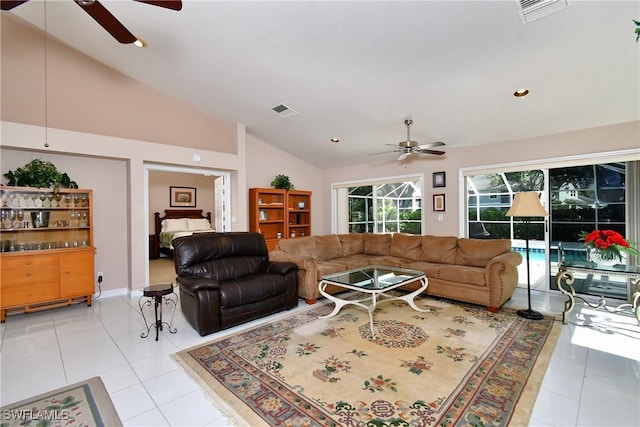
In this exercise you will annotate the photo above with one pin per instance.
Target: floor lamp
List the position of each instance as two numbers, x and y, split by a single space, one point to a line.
527 205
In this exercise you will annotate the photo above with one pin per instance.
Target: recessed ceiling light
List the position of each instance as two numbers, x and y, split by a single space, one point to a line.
336 140
139 42
521 92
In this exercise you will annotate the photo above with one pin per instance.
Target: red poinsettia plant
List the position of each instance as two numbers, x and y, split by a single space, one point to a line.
609 243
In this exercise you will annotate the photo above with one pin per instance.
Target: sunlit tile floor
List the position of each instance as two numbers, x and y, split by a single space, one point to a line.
49 349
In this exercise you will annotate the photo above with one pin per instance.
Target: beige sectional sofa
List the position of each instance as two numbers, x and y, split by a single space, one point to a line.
472 270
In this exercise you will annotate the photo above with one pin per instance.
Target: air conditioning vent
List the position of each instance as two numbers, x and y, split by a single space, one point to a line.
284 111
530 10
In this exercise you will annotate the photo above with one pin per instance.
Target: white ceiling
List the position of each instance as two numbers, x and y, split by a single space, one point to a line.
356 70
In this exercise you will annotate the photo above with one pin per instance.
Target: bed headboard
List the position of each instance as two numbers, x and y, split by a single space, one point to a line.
174 214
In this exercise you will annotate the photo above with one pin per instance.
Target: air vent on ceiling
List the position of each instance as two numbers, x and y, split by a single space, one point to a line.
284 110
530 10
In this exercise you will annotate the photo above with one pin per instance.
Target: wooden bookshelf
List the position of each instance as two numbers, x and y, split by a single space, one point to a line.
279 214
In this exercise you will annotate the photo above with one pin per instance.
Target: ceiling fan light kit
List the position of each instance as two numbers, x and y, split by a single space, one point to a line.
140 43
408 147
103 17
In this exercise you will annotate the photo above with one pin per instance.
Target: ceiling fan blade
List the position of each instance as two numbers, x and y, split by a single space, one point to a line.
109 22
167 4
432 144
10 4
404 155
383 152
436 152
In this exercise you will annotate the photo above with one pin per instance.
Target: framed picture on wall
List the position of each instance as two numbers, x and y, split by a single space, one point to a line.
183 197
439 179
438 203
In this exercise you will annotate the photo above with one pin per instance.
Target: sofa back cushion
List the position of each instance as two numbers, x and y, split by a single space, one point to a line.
220 256
406 246
303 246
328 247
376 244
439 249
478 252
352 243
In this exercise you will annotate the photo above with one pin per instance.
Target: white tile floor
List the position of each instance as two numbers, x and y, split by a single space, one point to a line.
49 349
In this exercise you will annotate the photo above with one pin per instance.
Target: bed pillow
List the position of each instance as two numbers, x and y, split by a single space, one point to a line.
198 224
171 225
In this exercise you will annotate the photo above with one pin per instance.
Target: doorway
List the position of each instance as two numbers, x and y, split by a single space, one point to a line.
212 194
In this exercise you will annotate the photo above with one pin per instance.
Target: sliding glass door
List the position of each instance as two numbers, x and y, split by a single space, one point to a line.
489 197
578 198
587 198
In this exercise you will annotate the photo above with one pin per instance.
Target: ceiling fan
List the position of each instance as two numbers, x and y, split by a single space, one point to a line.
103 17
409 147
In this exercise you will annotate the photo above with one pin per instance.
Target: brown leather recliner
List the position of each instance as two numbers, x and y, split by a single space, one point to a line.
226 279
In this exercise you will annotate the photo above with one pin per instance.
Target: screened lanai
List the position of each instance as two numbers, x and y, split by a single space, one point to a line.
386 208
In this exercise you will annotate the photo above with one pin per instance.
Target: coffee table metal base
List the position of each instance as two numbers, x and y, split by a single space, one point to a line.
375 294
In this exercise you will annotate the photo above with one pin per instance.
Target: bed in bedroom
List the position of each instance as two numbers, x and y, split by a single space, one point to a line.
177 223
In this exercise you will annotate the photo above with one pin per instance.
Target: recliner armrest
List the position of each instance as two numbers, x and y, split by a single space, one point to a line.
192 285
279 267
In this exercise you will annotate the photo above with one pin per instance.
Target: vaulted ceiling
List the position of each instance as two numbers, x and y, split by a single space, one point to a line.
356 70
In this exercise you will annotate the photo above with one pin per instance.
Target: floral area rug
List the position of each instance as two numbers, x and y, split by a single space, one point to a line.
455 365
86 403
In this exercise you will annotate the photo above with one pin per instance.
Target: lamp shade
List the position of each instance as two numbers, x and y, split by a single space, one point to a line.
527 204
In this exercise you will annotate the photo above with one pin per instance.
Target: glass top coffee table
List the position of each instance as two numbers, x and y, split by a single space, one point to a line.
374 281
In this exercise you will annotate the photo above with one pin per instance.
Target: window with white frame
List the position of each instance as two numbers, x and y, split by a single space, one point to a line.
386 206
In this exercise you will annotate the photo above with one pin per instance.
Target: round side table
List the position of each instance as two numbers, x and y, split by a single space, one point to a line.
157 293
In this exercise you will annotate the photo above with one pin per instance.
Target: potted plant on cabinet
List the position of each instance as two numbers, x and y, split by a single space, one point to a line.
39 174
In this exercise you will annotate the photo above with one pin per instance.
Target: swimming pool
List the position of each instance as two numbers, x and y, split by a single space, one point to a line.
534 254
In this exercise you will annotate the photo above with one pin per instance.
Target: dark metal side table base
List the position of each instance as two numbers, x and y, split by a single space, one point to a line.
157 293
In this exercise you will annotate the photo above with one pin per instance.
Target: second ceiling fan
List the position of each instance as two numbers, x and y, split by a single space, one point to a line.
409 147
103 17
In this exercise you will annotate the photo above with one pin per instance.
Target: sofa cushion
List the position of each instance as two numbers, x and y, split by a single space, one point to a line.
462 274
352 244
376 244
305 246
478 252
355 261
387 261
406 246
329 267
328 247
439 249
429 269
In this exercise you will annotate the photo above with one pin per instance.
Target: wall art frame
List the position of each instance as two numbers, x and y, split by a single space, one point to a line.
439 179
183 197
439 203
